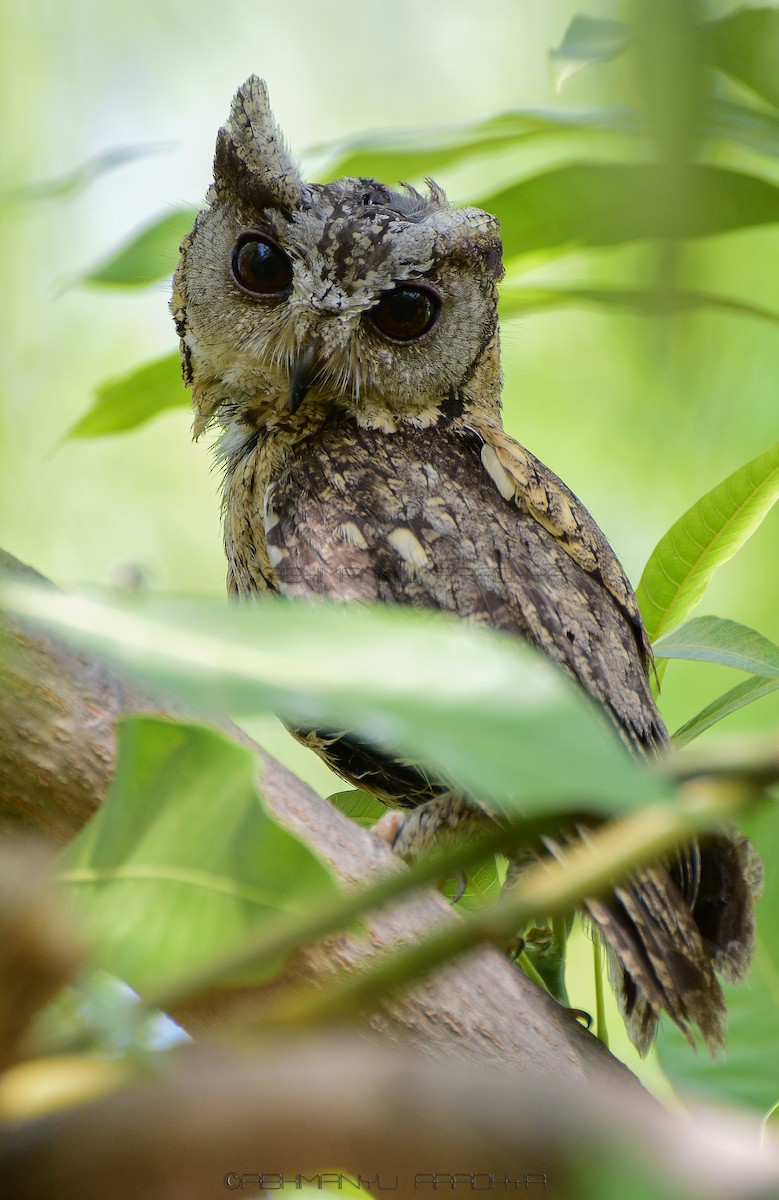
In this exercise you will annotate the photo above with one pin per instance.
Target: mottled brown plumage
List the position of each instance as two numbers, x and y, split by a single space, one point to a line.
345 339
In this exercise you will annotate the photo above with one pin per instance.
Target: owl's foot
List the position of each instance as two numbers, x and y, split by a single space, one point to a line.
416 832
389 826
413 834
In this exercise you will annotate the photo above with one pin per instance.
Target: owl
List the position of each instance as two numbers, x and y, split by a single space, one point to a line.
344 339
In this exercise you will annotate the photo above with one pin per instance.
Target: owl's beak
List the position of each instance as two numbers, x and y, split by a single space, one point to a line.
303 374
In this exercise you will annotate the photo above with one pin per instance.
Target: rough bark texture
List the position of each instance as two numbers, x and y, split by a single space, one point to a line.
58 709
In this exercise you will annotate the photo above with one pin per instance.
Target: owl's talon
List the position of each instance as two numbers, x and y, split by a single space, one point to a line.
459 891
580 1014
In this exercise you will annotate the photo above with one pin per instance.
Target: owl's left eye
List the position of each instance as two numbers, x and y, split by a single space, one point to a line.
406 313
260 266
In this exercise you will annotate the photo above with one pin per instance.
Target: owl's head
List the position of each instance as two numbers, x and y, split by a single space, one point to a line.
292 296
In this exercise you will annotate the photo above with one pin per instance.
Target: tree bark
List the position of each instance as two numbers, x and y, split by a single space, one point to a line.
58 711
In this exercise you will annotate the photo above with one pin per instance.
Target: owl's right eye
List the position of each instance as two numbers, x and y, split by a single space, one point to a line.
261 267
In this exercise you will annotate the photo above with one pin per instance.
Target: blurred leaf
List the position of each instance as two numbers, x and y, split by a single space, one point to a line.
740 696
770 1131
80 178
150 255
105 1014
517 300
409 154
745 45
360 807
719 640
132 399
182 861
706 536
754 128
486 712
588 40
604 204
747 1074
412 154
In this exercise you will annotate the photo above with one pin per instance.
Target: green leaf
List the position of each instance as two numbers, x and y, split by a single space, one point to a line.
412 153
605 204
718 640
706 536
360 807
755 128
517 300
740 696
182 861
745 46
131 400
149 255
588 40
484 711
747 1074
81 177
415 153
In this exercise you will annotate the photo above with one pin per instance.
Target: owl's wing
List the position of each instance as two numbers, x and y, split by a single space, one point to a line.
521 477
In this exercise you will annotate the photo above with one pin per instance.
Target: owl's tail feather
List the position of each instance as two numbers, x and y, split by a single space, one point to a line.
671 927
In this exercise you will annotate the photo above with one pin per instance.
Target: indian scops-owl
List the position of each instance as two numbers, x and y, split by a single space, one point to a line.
345 339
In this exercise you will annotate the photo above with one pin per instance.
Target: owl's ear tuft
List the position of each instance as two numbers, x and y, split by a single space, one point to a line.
252 159
437 193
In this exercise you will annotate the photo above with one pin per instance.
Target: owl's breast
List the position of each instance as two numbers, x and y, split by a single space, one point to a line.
412 517
341 511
